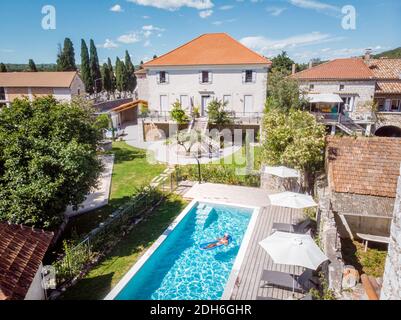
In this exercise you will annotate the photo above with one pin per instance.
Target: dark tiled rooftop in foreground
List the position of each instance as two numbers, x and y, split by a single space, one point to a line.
21 252
366 166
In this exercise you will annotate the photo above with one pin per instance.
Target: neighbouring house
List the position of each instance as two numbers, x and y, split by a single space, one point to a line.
62 85
362 178
21 253
355 95
212 66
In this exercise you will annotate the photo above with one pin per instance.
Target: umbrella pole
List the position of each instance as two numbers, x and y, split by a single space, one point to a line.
293 282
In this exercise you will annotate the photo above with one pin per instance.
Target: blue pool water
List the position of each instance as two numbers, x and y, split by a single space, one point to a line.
179 270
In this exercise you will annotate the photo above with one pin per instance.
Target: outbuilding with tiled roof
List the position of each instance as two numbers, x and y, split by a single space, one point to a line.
22 250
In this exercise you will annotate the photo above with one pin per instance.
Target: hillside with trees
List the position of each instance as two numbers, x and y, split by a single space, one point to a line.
391 54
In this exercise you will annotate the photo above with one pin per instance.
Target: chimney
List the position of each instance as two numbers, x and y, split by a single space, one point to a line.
310 64
368 54
294 68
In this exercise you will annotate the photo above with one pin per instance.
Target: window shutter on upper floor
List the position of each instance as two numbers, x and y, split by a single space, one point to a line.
200 76
243 76
254 76
210 77
158 77
167 77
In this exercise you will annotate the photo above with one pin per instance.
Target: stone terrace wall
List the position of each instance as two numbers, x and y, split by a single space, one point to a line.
391 289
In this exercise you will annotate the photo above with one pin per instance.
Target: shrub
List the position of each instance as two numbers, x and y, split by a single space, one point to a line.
178 113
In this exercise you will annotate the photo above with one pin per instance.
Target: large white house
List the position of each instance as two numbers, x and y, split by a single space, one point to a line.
212 66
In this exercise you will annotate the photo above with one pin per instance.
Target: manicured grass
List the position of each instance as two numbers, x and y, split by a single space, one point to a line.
131 170
99 282
241 156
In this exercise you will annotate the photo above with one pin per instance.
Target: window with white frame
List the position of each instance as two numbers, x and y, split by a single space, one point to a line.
248 76
162 77
342 87
311 87
395 105
227 101
205 77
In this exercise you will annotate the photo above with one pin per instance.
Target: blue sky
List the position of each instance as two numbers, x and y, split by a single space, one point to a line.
304 28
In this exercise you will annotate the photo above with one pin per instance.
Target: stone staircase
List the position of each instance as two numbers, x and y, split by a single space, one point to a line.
199 124
348 126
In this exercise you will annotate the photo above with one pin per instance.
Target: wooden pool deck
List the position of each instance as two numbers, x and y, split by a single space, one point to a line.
248 284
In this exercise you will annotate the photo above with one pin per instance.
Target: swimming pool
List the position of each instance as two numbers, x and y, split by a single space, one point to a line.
175 268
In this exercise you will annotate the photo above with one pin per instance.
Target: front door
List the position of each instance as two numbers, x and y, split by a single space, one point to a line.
248 105
205 104
163 103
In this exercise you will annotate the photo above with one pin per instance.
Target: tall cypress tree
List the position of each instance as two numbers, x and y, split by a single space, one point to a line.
3 67
131 78
85 68
112 75
106 78
95 68
66 57
32 66
121 76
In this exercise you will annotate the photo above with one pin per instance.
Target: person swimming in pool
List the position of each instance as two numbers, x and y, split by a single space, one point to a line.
220 242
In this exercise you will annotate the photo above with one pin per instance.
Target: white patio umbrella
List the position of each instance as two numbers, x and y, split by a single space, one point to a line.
293 249
292 200
282 172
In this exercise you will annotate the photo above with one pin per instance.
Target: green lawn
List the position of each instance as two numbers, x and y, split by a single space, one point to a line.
99 282
131 170
241 156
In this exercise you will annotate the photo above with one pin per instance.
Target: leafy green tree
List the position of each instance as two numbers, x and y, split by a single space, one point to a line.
282 62
283 92
85 68
131 78
178 113
48 160
112 75
95 68
218 114
102 122
107 84
32 66
294 139
155 56
66 57
3 67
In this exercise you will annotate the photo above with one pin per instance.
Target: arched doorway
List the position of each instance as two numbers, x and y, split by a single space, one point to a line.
389 131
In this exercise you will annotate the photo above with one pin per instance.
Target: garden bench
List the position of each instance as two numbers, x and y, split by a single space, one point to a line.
368 237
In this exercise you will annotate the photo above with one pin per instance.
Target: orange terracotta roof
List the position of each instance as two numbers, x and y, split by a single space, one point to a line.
385 68
37 79
209 49
21 253
365 166
389 87
339 69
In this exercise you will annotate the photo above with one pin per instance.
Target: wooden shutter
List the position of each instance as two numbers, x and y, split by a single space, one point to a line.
253 76
158 77
210 77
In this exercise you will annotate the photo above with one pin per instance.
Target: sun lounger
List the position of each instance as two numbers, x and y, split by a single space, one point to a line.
302 283
301 228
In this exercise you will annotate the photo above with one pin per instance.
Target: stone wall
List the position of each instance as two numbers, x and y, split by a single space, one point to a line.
391 289
388 119
329 237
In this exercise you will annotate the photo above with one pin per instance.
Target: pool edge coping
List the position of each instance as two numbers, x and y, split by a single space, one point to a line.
148 253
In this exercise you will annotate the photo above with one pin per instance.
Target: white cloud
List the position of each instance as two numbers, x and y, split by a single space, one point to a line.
145 17
144 34
108 44
175 4
226 7
275 11
147 43
315 5
116 8
270 47
129 38
220 22
205 14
